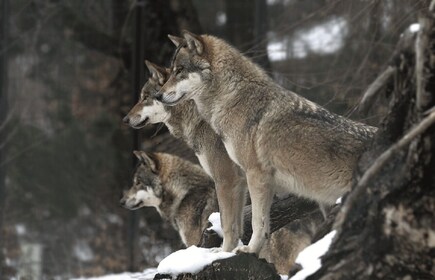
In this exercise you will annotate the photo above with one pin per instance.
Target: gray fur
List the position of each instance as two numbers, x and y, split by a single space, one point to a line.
278 138
184 122
185 196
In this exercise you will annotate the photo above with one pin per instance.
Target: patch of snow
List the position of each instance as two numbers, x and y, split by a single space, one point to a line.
415 27
309 258
83 252
284 277
215 220
325 38
114 219
221 18
190 260
338 201
147 274
277 50
20 229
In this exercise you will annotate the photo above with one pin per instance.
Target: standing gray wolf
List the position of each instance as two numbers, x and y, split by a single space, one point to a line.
278 138
184 195
184 122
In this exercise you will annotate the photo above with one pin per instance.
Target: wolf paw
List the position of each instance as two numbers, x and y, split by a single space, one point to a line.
242 249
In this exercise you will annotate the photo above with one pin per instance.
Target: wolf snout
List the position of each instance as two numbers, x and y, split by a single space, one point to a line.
122 202
126 119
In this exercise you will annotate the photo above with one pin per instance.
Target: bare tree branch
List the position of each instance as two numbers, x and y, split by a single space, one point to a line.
374 88
383 159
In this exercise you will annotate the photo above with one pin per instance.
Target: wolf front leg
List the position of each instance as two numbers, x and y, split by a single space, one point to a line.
231 199
261 193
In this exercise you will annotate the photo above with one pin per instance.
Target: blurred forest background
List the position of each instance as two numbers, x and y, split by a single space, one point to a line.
70 70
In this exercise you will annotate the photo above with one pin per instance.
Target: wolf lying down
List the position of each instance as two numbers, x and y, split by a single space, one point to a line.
184 195
280 140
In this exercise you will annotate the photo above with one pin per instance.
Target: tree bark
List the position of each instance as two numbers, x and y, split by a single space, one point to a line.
387 226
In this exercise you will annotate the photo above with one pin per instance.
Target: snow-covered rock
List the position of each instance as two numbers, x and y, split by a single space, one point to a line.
190 260
309 258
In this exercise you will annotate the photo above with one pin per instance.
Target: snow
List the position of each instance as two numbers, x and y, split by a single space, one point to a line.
114 219
83 252
338 201
325 38
194 259
20 229
309 258
147 274
221 18
276 50
190 260
215 220
415 27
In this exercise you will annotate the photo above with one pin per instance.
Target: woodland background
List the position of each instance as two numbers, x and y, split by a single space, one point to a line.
70 70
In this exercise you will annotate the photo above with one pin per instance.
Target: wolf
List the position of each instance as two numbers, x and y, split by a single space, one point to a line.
180 191
184 122
280 139
184 195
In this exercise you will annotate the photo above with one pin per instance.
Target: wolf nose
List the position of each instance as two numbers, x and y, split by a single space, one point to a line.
126 119
122 203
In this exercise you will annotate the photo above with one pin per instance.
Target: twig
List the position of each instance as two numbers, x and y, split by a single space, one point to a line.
374 88
384 157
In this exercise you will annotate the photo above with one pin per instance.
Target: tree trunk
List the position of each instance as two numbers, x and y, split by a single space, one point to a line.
387 224
3 117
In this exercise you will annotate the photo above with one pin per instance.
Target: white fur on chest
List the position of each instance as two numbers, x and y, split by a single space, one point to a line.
183 235
204 163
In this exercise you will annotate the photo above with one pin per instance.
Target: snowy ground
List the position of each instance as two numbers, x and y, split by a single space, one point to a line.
194 259
147 274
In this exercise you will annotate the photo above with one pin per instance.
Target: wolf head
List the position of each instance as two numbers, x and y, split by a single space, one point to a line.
190 70
146 189
148 110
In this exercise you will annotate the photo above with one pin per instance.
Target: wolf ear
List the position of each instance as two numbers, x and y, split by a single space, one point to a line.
176 40
145 159
157 72
194 42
